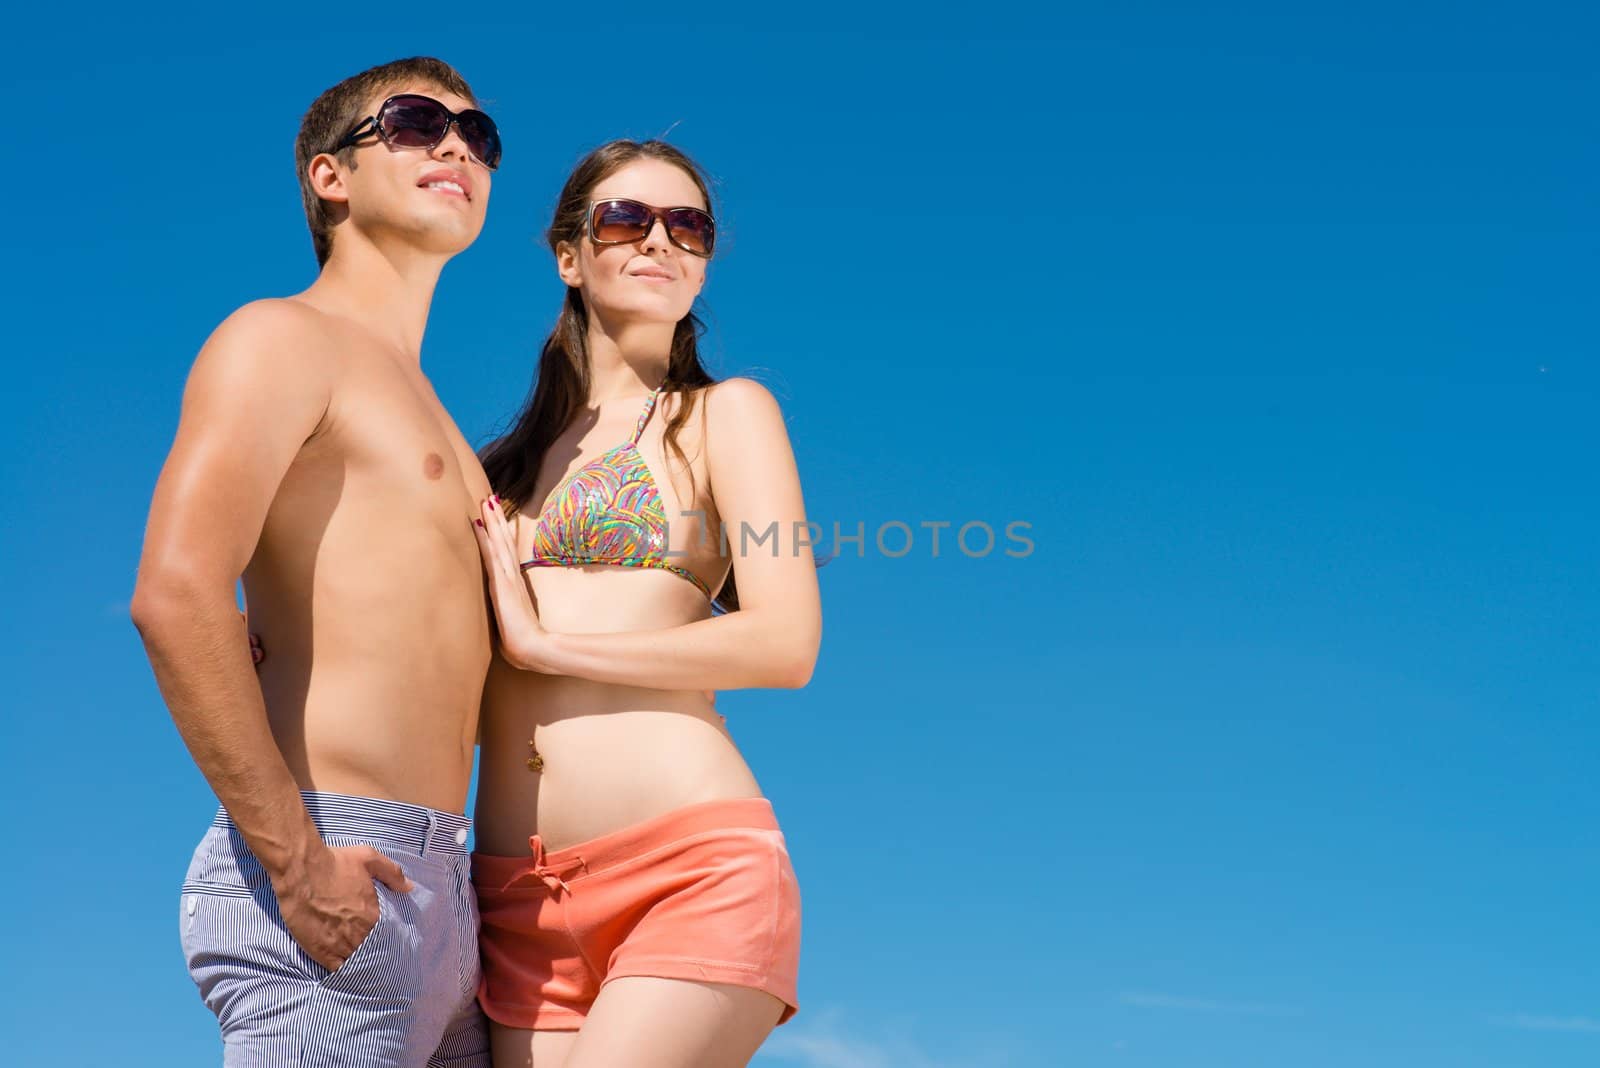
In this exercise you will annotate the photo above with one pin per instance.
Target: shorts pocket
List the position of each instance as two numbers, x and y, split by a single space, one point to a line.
236 950
191 897
363 948
223 860
387 966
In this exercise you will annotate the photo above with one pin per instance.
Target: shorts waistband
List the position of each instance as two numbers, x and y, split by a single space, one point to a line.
414 828
608 850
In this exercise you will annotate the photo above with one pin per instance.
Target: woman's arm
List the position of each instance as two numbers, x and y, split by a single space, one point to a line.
771 641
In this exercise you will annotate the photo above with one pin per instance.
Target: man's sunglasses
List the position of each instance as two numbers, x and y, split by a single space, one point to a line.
414 121
618 221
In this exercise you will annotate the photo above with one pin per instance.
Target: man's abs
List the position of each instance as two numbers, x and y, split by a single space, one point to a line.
364 721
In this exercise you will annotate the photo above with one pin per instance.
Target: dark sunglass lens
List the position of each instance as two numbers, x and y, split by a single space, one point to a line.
692 229
620 220
414 122
482 137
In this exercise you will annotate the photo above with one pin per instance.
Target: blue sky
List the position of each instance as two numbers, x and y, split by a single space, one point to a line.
1276 326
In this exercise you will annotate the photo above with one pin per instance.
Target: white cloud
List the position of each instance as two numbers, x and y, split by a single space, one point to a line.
823 1041
822 1051
1528 1022
1171 1001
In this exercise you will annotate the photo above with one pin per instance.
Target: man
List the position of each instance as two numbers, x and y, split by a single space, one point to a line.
328 916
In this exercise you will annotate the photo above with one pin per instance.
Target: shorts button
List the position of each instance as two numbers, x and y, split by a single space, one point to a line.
461 836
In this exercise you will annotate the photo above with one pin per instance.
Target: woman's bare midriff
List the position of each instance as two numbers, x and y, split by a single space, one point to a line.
611 756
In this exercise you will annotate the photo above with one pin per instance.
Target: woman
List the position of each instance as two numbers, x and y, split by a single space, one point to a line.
638 904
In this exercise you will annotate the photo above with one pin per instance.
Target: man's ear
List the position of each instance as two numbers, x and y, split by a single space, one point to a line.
567 264
328 178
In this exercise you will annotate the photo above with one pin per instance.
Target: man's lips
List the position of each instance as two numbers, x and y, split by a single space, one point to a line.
653 274
449 182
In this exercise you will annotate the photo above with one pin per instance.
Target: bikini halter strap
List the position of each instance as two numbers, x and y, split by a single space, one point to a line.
644 416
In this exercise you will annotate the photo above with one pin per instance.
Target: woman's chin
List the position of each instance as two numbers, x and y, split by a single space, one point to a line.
646 312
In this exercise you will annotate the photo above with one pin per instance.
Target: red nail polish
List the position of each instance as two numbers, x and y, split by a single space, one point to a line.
478 521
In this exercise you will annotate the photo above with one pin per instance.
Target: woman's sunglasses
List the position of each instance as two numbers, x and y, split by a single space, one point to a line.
414 121
618 221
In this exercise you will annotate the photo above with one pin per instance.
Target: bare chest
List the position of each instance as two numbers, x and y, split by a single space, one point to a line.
387 448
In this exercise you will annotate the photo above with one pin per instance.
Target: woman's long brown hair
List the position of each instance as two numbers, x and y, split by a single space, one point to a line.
561 383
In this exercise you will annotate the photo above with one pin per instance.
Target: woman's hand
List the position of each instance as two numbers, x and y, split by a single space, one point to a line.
257 653
523 642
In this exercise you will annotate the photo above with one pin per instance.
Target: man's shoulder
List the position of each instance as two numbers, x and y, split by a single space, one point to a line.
272 320
270 351
273 335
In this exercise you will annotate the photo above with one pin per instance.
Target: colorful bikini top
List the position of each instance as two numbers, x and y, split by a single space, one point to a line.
607 512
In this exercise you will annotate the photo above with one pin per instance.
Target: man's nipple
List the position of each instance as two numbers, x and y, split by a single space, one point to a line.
433 466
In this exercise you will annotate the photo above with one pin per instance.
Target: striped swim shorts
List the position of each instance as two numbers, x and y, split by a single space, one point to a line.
404 999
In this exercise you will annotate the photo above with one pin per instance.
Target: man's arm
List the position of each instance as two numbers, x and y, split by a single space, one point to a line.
255 395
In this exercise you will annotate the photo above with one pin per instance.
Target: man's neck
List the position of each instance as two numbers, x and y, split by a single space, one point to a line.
387 291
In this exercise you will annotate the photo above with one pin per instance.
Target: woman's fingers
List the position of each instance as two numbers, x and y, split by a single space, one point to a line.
493 518
485 547
495 527
508 590
494 545
489 547
503 525
499 551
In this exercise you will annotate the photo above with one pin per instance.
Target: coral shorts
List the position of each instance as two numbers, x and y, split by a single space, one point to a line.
704 893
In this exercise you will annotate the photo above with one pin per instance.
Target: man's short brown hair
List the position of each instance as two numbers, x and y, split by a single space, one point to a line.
340 109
